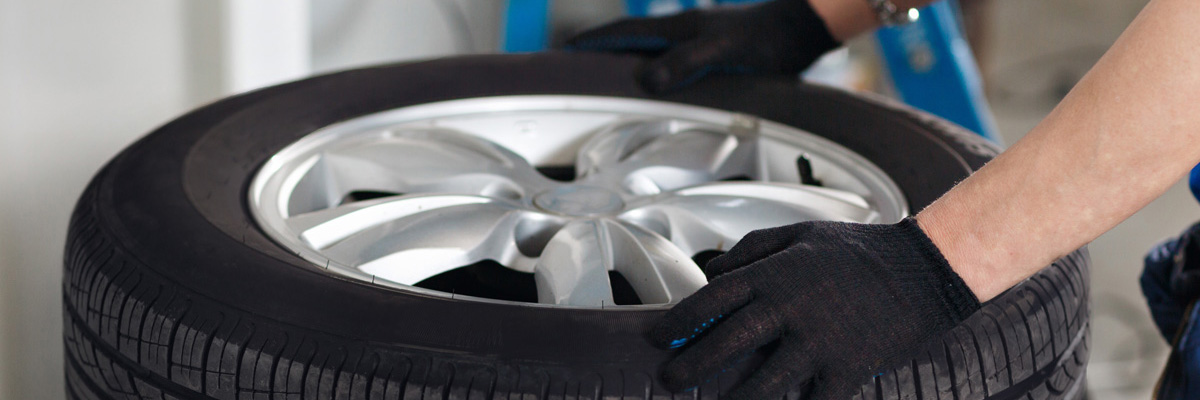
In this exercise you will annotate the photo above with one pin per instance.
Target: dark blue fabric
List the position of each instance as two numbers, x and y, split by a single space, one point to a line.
1186 381
1194 181
1155 281
1169 282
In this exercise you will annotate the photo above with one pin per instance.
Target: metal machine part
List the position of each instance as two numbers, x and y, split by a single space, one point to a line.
397 197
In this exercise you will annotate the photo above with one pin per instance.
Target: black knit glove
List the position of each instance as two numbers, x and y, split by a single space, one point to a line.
778 37
843 301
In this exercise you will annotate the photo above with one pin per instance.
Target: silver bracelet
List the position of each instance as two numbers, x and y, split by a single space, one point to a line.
889 15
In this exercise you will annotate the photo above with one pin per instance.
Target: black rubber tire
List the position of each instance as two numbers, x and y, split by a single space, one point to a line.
171 292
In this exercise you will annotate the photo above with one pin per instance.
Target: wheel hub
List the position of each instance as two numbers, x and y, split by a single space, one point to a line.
579 201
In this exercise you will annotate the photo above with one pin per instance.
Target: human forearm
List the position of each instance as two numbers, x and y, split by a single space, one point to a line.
1124 134
849 18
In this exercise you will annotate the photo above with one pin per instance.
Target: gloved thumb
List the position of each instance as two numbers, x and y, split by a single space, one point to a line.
684 65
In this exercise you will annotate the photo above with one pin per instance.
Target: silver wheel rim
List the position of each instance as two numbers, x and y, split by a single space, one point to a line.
459 186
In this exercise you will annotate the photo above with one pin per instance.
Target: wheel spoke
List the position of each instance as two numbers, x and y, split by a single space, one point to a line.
616 143
321 229
415 160
573 268
648 157
715 216
657 269
406 239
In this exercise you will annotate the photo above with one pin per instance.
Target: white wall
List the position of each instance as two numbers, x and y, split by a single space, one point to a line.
79 80
359 32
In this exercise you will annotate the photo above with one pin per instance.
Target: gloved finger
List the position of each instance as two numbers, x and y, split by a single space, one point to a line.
756 245
700 311
733 338
686 64
790 365
639 34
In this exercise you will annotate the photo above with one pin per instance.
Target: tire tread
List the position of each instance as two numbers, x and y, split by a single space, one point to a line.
130 333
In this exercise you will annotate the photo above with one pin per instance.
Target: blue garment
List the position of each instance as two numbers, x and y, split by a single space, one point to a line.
1171 284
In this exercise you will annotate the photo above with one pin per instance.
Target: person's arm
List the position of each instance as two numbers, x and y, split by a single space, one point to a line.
844 301
1127 131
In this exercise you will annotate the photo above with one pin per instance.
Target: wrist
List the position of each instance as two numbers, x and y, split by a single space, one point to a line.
963 252
926 270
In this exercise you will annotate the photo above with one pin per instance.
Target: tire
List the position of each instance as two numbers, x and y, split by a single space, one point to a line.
172 292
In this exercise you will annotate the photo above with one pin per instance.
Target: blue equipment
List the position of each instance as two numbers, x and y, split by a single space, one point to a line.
525 25
932 68
929 62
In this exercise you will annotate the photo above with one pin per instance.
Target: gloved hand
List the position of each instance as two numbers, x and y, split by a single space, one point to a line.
778 37
843 300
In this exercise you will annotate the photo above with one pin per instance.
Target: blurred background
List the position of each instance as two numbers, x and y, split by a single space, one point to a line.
81 80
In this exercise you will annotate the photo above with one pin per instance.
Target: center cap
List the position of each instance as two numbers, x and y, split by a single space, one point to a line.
579 200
